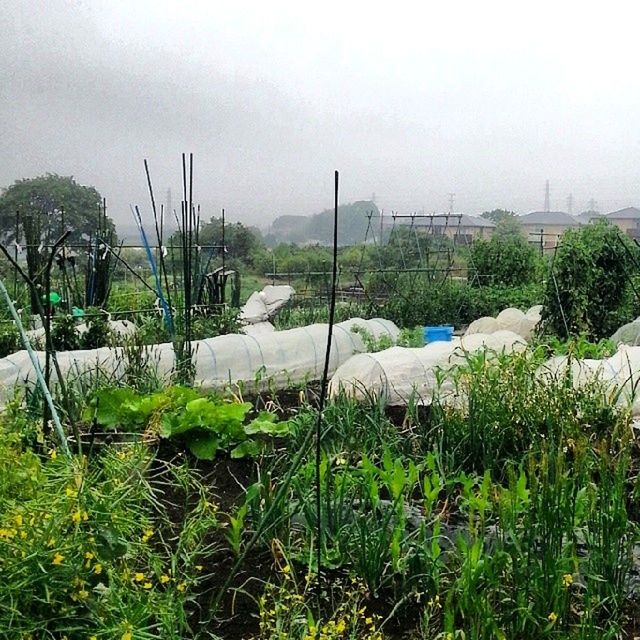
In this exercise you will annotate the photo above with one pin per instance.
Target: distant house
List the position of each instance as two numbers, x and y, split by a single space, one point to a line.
546 227
627 220
459 227
589 216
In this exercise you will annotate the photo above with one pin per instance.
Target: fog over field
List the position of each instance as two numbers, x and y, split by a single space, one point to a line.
410 102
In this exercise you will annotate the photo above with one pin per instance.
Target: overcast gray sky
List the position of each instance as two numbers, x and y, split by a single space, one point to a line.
410 101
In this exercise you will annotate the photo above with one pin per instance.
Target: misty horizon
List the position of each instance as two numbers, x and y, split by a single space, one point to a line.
409 105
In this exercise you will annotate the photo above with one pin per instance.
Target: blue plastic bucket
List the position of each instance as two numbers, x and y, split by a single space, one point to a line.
442 333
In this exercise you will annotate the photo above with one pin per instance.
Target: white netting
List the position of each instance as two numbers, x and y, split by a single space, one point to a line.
628 334
620 374
398 374
263 305
524 324
279 357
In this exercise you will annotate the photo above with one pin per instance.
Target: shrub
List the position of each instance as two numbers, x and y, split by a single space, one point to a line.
588 285
455 303
503 260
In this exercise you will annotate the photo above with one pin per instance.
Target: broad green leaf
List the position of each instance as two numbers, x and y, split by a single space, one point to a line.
247 448
204 446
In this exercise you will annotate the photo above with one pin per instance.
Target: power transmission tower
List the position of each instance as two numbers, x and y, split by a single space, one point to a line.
547 206
452 197
593 205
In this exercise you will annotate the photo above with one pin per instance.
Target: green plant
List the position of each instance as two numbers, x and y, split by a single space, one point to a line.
64 336
91 552
504 260
411 337
98 333
372 343
203 424
588 282
9 339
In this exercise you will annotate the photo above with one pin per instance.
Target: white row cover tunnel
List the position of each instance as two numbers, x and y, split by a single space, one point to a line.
399 374
619 375
281 357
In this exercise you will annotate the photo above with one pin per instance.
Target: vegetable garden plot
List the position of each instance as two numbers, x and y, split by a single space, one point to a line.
281 358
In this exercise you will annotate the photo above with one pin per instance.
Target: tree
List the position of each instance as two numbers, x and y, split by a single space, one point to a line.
589 282
242 242
54 204
498 215
503 260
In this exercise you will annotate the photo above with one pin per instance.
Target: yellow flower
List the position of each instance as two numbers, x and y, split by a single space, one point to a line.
71 493
53 454
368 620
76 517
567 580
147 534
164 579
286 569
147 585
127 635
93 637
89 556
340 627
97 569
181 587
552 617
85 516
199 567
18 520
57 559
138 577
51 542
83 595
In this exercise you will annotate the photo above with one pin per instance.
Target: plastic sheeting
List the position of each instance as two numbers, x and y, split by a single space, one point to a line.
524 324
278 358
399 374
263 305
628 334
619 374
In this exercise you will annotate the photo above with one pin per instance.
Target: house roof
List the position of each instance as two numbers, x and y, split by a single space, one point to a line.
549 217
629 213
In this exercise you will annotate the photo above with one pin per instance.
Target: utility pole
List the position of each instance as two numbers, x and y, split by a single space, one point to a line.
570 204
547 205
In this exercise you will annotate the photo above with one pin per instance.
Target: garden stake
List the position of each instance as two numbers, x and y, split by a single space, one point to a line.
323 390
36 365
214 603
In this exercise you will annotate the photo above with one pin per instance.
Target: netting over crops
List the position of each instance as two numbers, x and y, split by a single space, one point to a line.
279 358
398 375
524 324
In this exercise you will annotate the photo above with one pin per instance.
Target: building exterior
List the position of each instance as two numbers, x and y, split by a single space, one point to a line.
627 220
459 227
546 227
